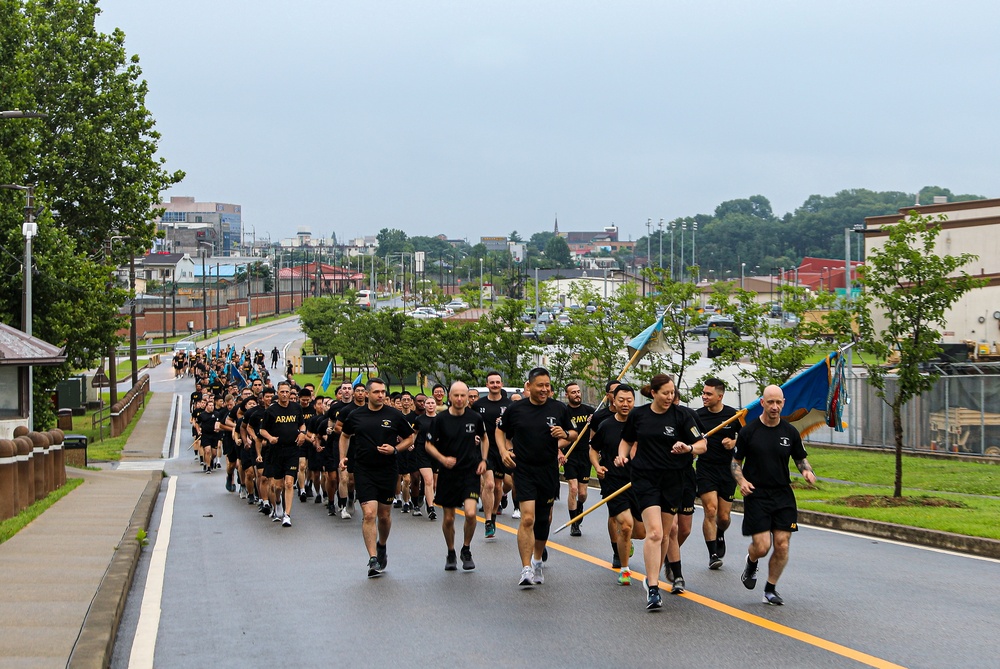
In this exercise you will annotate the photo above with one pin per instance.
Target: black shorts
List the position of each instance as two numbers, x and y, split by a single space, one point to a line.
577 469
375 485
663 488
456 486
623 502
330 459
286 463
690 492
536 483
769 509
717 479
314 459
248 458
232 451
404 462
495 463
350 458
420 460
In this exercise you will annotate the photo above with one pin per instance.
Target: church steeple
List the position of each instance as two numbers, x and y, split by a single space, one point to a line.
556 229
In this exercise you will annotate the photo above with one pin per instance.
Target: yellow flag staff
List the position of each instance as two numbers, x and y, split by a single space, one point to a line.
738 416
650 339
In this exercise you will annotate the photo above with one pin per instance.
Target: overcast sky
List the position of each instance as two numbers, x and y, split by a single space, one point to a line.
481 117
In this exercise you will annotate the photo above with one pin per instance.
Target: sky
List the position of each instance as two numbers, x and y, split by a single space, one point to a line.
482 117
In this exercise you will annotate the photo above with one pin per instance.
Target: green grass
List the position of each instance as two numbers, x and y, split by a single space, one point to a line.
110 448
977 517
12 526
878 468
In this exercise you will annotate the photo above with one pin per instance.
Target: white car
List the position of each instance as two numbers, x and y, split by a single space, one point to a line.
457 304
423 312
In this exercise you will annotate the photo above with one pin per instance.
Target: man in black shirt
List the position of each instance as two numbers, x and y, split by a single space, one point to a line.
339 481
760 467
716 486
284 428
274 358
491 408
381 432
458 441
577 468
530 435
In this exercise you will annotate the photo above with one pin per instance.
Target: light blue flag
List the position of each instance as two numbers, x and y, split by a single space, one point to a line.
650 339
357 380
327 376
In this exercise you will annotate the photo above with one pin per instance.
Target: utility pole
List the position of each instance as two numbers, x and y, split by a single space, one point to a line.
661 243
132 356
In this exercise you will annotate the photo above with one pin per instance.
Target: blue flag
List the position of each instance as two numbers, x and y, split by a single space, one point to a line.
327 375
650 339
241 383
805 398
357 380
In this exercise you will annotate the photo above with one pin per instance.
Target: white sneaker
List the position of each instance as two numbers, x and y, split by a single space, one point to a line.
344 513
516 514
537 577
527 577
286 521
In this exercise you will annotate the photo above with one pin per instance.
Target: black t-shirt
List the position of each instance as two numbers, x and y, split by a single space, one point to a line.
606 441
578 417
370 429
764 452
222 415
455 436
308 411
422 426
717 454
254 418
655 435
283 423
600 416
491 411
528 427
195 396
206 420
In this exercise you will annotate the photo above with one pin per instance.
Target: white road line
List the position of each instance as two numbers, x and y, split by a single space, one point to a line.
144 643
176 451
174 408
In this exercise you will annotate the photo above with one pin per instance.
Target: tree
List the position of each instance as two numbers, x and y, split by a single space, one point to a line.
391 241
557 250
910 287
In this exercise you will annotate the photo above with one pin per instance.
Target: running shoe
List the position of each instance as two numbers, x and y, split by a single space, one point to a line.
276 517
416 513
302 497
527 577
344 513
720 546
467 563
516 515
773 598
625 576
406 507
397 503
286 521
678 586
503 502
374 569
537 577
653 599
432 514
451 562
749 575
491 529
318 500
574 530
383 558
714 562
243 492
331 509
251 500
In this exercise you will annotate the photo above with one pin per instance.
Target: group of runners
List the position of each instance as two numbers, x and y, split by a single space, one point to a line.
464 452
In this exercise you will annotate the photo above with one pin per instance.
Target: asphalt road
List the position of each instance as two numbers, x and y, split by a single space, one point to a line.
241 591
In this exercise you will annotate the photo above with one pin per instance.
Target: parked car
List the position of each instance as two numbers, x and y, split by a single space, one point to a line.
544 317
563 319
698 330
423 313
457 305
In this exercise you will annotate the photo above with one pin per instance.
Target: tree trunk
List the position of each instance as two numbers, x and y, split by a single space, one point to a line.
897 428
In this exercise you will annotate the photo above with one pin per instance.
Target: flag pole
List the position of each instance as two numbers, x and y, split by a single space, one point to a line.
739 415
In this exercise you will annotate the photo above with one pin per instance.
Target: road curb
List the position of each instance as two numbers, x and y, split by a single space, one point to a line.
989 548
95 644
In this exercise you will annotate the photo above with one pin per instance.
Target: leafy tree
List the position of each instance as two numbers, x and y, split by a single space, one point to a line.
908 288
391 241
557 250
324 320
509 351
514 237
927 194
540 240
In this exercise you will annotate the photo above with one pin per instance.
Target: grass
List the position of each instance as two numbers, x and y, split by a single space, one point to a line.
110 448
12 526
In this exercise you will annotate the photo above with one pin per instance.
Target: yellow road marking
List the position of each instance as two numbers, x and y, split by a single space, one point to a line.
778 628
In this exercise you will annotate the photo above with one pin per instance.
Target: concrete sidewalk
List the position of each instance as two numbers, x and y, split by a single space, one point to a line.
66 575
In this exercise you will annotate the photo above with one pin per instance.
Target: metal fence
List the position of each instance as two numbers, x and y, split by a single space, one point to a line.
961 414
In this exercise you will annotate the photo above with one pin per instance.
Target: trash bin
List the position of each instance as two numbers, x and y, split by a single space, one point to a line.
75 448
64 421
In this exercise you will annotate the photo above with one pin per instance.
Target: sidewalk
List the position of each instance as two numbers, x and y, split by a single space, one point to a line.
66 575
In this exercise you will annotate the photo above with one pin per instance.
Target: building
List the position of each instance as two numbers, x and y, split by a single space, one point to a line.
190 225
494 243
586 241
18 353
969 227
823 274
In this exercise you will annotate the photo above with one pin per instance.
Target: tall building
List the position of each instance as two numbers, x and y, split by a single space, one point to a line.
190 226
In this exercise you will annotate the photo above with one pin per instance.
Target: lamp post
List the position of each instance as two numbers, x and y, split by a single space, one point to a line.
480 283
671 226
683 228
661 244
694 263
743 267
649 238
204 293
29 230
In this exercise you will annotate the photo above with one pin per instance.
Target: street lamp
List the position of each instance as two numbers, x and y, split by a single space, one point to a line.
683 228
661 244
480 283
204 293
29 230
694 263
671 226
649 253
743 267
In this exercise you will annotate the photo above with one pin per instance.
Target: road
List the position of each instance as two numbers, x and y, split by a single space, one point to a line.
238 590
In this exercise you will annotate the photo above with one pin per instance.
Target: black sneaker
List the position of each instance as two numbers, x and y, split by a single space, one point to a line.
616 562
503 502
374 568
302 497
467 563
773 598
749 575
714 562
451 562
319 499
678 587
720 546
491 530
432 514
653 599
397 503
574 530
406 507
383 558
